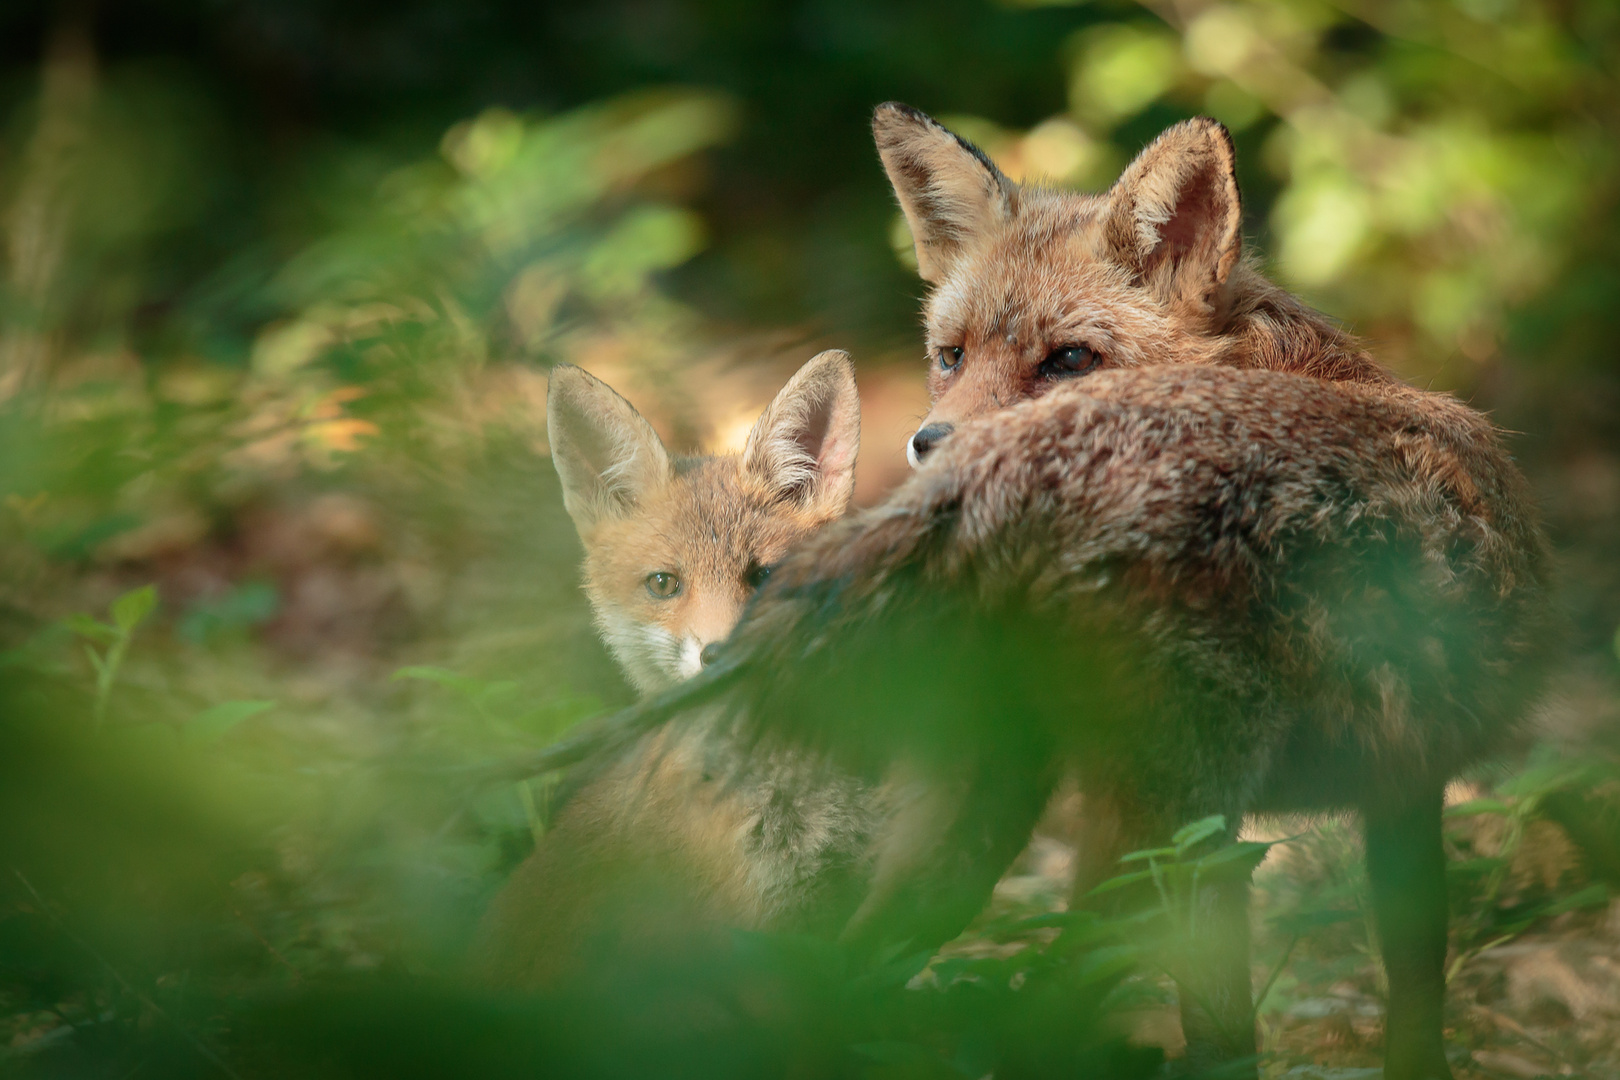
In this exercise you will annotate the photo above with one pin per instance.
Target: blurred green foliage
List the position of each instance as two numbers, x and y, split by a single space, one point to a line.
278 286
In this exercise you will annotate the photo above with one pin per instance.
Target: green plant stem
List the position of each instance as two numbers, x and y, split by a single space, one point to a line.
197 1044
106 672
1277 970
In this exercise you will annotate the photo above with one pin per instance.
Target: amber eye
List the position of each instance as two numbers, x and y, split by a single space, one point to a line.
949 357
756 575
663 585
1067 361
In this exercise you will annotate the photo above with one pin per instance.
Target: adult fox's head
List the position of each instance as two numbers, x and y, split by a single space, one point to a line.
1033 286
674 547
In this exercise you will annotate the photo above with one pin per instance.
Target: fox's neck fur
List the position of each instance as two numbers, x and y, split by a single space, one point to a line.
1270 329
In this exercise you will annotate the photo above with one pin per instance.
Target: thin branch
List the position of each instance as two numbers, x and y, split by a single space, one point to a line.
269 948
145 999
1271 980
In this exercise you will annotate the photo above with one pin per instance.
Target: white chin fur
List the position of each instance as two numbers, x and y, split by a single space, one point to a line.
652 657
691 658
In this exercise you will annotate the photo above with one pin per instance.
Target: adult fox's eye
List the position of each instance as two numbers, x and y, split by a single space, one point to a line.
949 357
756 575
1067 361
663 585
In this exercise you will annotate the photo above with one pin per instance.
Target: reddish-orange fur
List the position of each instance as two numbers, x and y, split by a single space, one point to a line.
710 526
1230 566
648 833
1032 269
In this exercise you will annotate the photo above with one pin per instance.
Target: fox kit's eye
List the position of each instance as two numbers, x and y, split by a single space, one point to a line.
663 585
756 575
1067 361
949 357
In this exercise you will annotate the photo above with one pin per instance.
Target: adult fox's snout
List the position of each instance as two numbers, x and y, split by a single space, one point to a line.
927 437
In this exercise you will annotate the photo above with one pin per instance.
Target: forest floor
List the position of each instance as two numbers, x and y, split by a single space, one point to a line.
1543 1002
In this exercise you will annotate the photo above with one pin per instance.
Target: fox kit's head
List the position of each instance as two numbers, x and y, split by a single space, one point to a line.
1032 287
674 547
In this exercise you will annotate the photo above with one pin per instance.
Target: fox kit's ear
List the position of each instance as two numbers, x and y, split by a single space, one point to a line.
948 189
1174 218
607 455
804 444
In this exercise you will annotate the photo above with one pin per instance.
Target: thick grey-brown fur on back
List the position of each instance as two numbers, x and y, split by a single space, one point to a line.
1213 591
1237 566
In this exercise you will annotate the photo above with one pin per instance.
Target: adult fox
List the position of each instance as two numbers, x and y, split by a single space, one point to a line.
1171 531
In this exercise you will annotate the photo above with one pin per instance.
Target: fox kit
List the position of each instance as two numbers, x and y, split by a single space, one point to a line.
1171 532
674 549
675 546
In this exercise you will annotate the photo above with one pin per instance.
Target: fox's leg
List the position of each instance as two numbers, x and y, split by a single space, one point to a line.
1217 997
1406 865
1099 845
1217 1009
941 851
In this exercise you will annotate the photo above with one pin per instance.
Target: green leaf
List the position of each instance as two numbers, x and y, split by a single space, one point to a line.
1149 853
1306 921
439 676
1544 778
1591 896
128 610
1106 964
498 689
1120 882
96 662
213 722
1479 865
895 965
94 629
1245 855
1197 831
1478 806
1015 926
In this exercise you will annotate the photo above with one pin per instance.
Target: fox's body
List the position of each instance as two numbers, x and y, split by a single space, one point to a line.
1172 532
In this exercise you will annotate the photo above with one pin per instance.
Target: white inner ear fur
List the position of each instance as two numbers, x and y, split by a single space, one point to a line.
1175 215
606 454
804 444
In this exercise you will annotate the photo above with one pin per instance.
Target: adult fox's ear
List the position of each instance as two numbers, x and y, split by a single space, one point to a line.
948 189
1174 217
608 456
804 443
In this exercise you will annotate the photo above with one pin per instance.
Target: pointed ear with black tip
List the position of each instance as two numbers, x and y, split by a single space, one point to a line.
1174 218
948 189
805 442
608 456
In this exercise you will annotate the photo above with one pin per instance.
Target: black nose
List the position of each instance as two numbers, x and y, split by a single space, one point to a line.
710 653
929 437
